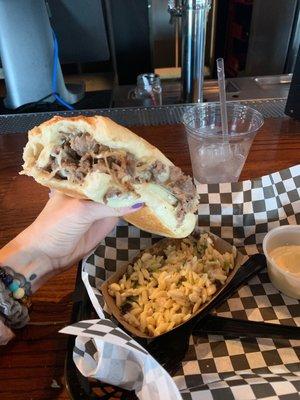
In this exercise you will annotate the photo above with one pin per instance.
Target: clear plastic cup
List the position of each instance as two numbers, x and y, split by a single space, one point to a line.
216 157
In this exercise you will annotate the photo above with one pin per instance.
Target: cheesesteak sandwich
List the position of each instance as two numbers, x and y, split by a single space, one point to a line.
95 158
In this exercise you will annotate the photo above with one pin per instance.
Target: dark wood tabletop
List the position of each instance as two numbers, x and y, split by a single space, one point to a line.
31 366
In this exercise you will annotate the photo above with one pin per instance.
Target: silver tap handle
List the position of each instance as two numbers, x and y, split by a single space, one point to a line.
175 8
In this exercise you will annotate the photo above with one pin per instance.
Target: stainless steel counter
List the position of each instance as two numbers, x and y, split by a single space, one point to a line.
267 94
133 116
249 88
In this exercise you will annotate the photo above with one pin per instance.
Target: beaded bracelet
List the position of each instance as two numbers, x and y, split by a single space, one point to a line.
16 283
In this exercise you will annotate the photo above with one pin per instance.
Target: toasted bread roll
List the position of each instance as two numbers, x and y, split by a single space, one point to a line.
95 158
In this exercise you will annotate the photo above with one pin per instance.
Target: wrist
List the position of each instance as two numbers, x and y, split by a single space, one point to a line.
22 256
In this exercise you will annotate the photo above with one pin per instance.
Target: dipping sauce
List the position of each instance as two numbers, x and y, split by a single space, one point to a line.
287 258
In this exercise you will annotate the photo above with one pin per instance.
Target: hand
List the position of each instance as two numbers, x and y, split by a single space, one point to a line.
66 230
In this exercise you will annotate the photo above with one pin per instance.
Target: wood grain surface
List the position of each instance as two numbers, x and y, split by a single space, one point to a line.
31 366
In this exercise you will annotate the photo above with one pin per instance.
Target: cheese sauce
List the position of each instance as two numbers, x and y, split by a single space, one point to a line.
287 258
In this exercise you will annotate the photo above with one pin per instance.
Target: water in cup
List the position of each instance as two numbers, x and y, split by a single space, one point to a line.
214 163
216 157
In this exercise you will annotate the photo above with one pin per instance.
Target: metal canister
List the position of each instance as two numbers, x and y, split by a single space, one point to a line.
193 33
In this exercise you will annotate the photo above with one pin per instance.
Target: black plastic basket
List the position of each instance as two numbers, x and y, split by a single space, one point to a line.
162 348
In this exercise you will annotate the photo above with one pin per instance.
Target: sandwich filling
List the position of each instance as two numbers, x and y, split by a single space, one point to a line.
78 155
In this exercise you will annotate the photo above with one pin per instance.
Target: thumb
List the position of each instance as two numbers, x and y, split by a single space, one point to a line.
95 211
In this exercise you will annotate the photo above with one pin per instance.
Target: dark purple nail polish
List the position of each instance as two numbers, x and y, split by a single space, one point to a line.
137 205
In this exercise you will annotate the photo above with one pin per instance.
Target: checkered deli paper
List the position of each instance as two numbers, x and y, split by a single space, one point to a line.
215 367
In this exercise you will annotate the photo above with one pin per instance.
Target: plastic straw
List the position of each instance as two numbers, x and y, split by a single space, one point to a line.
222 94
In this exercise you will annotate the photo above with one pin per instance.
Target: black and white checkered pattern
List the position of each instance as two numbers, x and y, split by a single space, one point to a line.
106 330
215 362
244 212
105 352
241 213
247 385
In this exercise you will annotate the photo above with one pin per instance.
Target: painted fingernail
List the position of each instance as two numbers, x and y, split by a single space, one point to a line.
137 205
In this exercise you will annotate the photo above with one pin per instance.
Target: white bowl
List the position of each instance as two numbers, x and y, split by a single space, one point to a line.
287 282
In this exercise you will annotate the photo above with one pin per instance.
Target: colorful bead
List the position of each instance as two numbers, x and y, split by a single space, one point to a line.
14 285
7 280
17 284
27 288
19 293
20 278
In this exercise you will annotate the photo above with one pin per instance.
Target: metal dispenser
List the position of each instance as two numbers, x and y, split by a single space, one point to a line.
193 15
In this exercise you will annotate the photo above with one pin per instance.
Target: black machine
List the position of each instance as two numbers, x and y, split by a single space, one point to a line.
293 102
42 40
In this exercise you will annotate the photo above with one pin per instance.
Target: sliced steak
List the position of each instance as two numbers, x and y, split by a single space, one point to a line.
80 154
118 168
159 171
143 176
100 166
175 173
85 164
184 190
180 213
82 144
111 192
130 165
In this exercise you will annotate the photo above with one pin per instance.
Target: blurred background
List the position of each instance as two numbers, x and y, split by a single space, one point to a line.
105 44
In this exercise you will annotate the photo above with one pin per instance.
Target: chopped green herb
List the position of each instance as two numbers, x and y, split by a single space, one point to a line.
227 265
201 249
132 298
125 307
181 279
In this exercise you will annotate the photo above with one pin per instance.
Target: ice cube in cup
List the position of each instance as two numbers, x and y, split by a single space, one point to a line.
216 157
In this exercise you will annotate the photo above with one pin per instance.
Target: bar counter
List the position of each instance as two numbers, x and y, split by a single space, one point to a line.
31 366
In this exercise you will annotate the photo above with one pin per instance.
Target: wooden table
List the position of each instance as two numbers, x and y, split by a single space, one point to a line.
31 367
